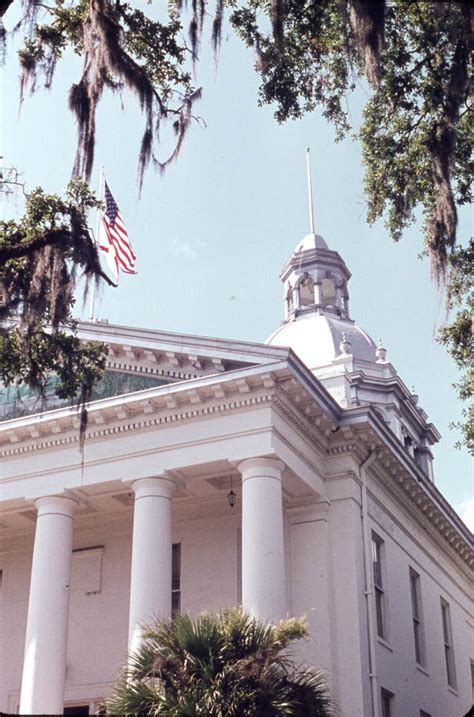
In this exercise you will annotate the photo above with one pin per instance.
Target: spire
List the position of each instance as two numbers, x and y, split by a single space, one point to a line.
310 193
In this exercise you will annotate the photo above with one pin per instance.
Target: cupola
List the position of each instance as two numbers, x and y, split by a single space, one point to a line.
315 280
352 367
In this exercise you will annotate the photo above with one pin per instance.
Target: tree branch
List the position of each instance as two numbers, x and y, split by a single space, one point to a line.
52 236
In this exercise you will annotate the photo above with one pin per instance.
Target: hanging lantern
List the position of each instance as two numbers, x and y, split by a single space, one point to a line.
231 496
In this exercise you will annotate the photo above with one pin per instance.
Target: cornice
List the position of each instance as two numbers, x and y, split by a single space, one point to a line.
362 431
312 432
394 383
202 346
427 515
138 423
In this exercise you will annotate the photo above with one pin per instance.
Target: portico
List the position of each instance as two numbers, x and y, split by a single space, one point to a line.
263 571
147 467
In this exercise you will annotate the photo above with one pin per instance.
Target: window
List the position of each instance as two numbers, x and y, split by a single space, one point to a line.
176 579
328 292
418 634
424 714
448 644
307 292
77 711
386 702
377 557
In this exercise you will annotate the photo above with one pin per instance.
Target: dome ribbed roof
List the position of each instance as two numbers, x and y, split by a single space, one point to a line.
315 339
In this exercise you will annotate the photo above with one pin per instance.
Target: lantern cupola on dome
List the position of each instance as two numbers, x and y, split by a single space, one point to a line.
352 367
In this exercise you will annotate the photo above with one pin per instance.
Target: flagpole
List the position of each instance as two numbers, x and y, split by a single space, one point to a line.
310 192
97 229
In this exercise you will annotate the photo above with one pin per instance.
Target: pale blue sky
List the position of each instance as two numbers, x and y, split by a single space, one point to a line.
224 219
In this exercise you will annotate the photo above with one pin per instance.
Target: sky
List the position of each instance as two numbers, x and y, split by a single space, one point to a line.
213 233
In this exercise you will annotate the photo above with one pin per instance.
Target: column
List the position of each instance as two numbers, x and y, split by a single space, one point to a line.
44 666
150 589
296 298
317 293
263 557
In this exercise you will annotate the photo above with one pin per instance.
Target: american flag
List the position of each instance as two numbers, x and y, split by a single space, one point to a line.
116 242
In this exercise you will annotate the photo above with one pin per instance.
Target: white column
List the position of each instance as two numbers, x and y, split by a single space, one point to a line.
44 666
263 556
296 298
317 293
150 589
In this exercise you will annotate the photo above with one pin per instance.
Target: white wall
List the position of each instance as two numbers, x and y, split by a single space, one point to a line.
325 571
408 544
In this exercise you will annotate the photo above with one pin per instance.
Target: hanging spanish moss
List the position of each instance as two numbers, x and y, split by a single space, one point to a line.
367 19
195 26
41 257
3 43
217 28
443 221
138 60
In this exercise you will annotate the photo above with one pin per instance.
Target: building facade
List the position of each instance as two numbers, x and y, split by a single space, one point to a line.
336 514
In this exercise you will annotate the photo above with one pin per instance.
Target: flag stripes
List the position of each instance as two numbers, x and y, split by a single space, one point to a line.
117 235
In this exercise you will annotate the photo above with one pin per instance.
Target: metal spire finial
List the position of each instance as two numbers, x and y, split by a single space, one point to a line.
310 192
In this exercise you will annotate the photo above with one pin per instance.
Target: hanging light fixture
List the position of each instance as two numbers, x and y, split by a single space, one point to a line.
231 497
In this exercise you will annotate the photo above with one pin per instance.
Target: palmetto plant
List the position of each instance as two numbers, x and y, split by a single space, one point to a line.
224 665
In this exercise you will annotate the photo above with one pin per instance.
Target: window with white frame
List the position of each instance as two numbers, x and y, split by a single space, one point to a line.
176 579
379 595
416 611
386 699
448 643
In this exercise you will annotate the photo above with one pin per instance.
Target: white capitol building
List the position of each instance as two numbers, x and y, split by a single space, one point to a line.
327 456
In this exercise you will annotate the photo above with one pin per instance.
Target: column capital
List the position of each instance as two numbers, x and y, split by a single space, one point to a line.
261 466
158 487
59 504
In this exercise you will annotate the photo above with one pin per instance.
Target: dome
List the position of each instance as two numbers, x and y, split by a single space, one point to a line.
315 338
311 241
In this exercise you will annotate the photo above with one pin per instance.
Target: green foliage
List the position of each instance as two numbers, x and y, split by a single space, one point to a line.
416 130
458 335
122 47
224 665
41 257
308 67
412 57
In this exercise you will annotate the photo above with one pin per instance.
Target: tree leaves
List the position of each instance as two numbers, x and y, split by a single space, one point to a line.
121 47
41 257
224 665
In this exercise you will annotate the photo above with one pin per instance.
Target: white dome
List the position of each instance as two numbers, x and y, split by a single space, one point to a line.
315 339
311 241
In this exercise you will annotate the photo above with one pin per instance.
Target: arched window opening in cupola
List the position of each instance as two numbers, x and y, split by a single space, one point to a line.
328 292
307 292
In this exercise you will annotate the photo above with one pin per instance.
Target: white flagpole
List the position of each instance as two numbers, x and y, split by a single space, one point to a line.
310 192
97 229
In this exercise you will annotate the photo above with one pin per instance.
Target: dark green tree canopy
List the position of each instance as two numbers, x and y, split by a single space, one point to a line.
41 257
